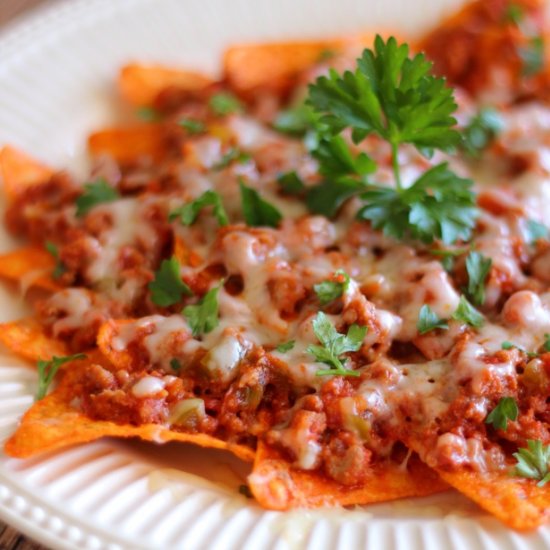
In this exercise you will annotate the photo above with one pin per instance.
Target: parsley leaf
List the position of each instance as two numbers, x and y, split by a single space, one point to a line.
514 13
233 155
466 313
334 345
189 212
148 114
59 267
428 320
167 288
291 183
482 129
327 198
478 268
395 97
534 231
295 121
225 103
203 316
532 56
48 369
192 126
175 364
286 346
546 344
330 290
95 193
257 212
507 409
533 462
438 205
447 256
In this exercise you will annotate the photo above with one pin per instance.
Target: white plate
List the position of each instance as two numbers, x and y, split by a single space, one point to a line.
56 74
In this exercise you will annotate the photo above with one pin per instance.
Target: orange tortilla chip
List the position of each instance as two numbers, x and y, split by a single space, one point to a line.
127 145
53 423
140 85
278 486
275 66
20 171
30 267
26 338
517 502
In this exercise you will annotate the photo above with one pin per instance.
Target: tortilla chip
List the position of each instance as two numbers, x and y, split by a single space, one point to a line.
128 145
54 423
278 486
140 85
20 171
30 267
26 338
517 502
275 66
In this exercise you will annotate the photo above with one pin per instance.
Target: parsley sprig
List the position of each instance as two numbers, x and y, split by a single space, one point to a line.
167 288
329 290
203 317
478 268
48 369
59 267
428 320
96 192
533 462
506 409
334 345
257 211
188 213
396 98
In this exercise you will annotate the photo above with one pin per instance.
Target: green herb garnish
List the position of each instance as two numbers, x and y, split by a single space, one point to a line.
507 409
48 369
428 320
327 291
482 129
534 231
203 316
59 267
188 213
285 346
334 345
533 462
148 114
192 126
532 56
258 212
95 193
225 103
291 183
168 288
233 155
467 313
478 268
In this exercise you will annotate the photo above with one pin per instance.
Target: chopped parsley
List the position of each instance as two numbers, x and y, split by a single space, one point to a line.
285 346
467 313
546 344
506 409
175 364
397 98
514 13
225 103
428 320
291 183
188 213
482 129
532 56
167 288
48 369
203 316
334 345
327 291
233 155
506 345
95 193
295 121
478 268
192 126
533 462
534 231
257 211
59 267
148 114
